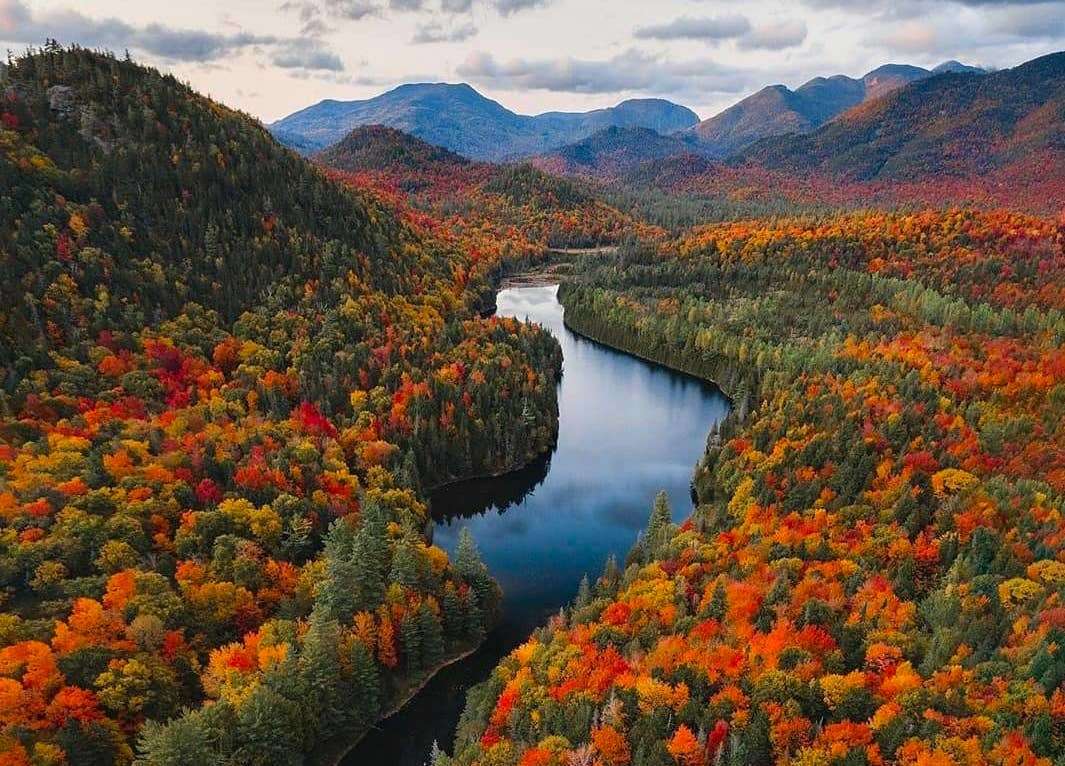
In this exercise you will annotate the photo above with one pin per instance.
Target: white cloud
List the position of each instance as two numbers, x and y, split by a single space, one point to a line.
710 29
18 23
631 71
775 36
436 32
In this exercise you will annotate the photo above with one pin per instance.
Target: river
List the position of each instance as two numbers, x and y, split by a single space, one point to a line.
627 429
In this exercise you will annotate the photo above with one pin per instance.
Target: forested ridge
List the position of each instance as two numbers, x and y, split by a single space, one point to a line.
874 570
228 383
945 139
511 212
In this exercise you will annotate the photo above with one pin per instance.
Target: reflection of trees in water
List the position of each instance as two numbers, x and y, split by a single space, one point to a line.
478 496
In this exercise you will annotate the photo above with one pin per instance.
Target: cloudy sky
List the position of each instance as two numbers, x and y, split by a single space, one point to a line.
271 57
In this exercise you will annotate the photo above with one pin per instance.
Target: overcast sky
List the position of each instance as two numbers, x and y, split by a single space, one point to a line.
271 57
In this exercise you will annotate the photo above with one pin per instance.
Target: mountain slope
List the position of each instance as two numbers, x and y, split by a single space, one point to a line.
225 380
461 119
514 208
778 110
951 125
377 147
159 195
613 151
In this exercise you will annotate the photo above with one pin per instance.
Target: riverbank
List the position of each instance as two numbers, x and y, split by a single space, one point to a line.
332 753
722 374
539 534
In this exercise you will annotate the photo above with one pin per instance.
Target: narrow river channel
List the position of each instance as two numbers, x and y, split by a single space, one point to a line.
627 429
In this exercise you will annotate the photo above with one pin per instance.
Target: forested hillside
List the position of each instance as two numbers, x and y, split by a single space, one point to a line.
874 572
513 212
228 382
959 138
613 152
947 126
776 110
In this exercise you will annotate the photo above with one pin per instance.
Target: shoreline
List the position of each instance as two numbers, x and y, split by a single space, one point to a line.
405 699
658 363
493 474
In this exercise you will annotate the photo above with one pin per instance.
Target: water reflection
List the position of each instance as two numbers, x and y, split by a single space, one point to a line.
477 497
627 429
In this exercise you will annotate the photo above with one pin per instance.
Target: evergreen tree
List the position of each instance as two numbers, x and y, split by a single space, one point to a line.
266 730
410 635
718 603
467 558
190 738
584 594
474 617
372 556
405 566
320 672
659 525
367 685
451 609
432 636
469 566
336 595
611 575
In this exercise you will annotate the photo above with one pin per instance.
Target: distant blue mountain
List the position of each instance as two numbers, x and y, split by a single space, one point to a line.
459 118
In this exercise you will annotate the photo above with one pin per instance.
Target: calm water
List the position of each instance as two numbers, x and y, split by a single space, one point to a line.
627 429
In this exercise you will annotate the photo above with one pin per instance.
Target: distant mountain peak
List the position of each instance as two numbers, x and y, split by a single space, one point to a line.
956 67
458 117
894 70
777 110
943 127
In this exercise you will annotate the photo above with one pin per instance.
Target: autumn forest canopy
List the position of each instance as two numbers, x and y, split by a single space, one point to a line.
231 377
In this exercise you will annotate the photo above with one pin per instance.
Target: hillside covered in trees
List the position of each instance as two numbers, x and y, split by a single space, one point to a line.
513 212
948 138
228 382
874 572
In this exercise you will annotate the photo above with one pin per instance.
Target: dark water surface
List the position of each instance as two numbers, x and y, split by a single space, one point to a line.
627 429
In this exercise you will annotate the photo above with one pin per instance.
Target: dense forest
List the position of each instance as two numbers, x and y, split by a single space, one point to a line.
228 382
512 212
232 376
873 573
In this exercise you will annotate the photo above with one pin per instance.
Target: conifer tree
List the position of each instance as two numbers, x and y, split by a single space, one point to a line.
320 671
371 553
451 610
366 683
411 636
265 730
336 595
658 525
474 617
405 565
432 637
584 594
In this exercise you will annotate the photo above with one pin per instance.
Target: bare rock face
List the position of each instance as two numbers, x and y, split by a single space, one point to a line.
61 99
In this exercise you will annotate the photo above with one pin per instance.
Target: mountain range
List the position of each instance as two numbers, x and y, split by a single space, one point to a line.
778 110
952 125
459 118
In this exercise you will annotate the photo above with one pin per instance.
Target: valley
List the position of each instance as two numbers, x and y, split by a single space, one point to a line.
414 430
605 482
